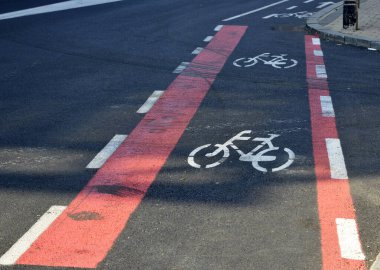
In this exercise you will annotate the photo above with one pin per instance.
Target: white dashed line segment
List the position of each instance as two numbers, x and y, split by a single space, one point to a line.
208 39
327 106
197 50
150 101
23 244
218 28
181 67
316 41
106 152
292 7
349 242
336 159
318 53
320 71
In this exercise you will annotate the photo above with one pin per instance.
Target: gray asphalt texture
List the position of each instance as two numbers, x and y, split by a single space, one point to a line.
71 80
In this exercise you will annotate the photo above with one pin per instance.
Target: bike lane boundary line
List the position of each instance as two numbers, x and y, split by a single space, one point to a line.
340 241
85 232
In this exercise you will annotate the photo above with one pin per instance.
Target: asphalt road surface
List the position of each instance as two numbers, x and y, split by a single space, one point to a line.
261 151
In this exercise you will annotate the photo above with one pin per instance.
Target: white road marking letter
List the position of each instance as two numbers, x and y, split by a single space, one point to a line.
336 159
181 67
316 41
318 53
208 39
197 50
349 242
150 102
256 10
106 152
327 106
23 244
54 7
320 70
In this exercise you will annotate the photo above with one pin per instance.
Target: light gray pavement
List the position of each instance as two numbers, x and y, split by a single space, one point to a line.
328 23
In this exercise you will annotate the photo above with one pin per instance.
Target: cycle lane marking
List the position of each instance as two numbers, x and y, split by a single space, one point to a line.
292 7
181 67
84 233
73 4
208 38
197 50
149 103
340 241
24 243
106 152
327 107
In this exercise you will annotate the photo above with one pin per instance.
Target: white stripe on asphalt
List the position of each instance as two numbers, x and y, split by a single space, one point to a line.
308 1
320 70
316 41
24 243
106 152
208 39
54 7
292 7
349 242
150 101
270 16
181 67
336 159
253 11
197 50
218 28
318 53
327 106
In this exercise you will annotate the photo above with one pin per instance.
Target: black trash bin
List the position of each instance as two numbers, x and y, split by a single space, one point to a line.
349 13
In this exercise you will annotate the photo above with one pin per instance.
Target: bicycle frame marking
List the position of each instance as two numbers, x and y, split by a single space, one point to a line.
298 15
277 61
255 156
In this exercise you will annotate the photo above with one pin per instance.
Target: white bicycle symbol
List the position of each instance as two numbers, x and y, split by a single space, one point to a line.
277 61
255 156
299 15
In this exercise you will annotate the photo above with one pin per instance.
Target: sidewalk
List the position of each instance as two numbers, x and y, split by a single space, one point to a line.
328 23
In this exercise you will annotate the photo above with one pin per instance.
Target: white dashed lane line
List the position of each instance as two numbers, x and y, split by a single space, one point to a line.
292 7
208 39
348 237
181 67
106 152
23 244
197 50
150 101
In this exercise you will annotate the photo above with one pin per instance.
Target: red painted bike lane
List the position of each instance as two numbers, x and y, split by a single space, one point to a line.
87 229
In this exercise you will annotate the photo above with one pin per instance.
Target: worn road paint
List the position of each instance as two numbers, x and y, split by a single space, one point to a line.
150 101
292 7
336 159
197 50
218 28
333 196
54 8
349 242
208 39
82 236
106 152
181 67
24 243
327 107
254 11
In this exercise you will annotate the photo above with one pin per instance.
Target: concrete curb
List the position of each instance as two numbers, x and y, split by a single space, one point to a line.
314 26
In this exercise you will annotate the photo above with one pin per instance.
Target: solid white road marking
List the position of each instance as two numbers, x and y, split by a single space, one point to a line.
197 50
106 152
324 4
318 53
349 242
308 1
150 102
218 28
292 7
208 39
320 70
54 7
270 16
336 159
253 11
24 243
181 67
327 106
316 41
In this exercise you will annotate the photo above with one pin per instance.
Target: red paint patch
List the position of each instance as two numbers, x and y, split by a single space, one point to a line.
120 185
334 196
